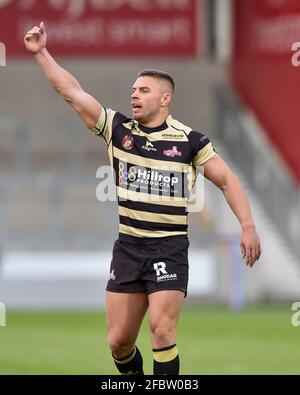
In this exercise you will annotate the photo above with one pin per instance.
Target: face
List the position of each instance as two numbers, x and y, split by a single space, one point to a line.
149 98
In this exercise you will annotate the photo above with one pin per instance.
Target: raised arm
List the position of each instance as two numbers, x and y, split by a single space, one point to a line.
88 108
220 174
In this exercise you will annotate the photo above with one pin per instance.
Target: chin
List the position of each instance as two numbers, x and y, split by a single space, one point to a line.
136 117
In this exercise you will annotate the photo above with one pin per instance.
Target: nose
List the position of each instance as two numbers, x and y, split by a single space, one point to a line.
134 95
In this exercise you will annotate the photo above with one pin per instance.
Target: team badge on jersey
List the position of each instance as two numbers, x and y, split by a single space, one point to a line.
127 142
172 152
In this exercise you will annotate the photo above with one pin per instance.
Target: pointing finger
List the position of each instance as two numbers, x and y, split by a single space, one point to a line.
42 27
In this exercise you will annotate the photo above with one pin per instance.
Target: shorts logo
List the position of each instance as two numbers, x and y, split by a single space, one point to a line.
161 272
112 275
160 268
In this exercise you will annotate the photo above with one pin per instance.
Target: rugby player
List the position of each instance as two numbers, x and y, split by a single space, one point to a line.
152 155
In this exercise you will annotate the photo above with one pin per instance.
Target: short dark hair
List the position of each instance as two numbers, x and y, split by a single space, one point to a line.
158 74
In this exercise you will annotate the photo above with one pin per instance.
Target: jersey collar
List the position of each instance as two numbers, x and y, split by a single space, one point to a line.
165 125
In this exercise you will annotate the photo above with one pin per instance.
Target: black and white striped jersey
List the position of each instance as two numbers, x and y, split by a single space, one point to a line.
155 170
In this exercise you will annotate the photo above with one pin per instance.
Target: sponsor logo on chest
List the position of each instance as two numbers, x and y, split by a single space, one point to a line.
172 152
173 136
149 146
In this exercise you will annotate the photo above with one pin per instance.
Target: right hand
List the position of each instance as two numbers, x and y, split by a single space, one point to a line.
36 39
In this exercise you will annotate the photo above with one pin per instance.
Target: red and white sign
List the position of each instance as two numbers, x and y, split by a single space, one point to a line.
105 27
264 72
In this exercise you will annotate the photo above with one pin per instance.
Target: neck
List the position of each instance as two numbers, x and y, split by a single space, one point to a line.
154 123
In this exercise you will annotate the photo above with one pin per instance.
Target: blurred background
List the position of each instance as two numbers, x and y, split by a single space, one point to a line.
236 67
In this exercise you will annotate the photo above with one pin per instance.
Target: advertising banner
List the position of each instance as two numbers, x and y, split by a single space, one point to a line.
266 72
105 27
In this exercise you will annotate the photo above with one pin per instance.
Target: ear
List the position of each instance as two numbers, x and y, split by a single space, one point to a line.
166 99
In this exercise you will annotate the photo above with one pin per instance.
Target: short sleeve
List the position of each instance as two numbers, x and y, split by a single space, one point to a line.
203 148
104 124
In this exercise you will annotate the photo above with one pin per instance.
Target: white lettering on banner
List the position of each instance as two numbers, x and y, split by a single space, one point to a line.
92 32
275 36
84 33
111 27
154 32
75 9
296 56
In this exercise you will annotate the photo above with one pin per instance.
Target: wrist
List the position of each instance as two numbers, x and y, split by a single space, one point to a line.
247 226
41 53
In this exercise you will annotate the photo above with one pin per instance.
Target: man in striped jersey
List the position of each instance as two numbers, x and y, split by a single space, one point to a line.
154 158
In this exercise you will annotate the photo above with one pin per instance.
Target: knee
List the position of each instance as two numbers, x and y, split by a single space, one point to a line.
119 346
162 334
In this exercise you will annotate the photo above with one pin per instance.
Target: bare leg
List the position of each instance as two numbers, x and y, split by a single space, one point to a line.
124 313
164 310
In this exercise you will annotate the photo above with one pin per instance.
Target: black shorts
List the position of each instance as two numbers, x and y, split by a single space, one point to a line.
149 265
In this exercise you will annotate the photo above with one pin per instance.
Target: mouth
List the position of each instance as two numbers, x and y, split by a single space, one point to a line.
136 107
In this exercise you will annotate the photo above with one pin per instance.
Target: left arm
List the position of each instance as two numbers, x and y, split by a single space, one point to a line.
219 173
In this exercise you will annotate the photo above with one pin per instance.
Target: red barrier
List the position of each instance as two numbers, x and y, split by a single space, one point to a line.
263 71
102 27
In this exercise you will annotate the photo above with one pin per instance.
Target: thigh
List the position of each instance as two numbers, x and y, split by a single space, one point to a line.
168 267
125 313
126 269
164 312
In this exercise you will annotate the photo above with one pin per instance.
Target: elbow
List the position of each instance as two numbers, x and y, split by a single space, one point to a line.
229 181
61 91
69 96
223 187
65 94
226 181
223 183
